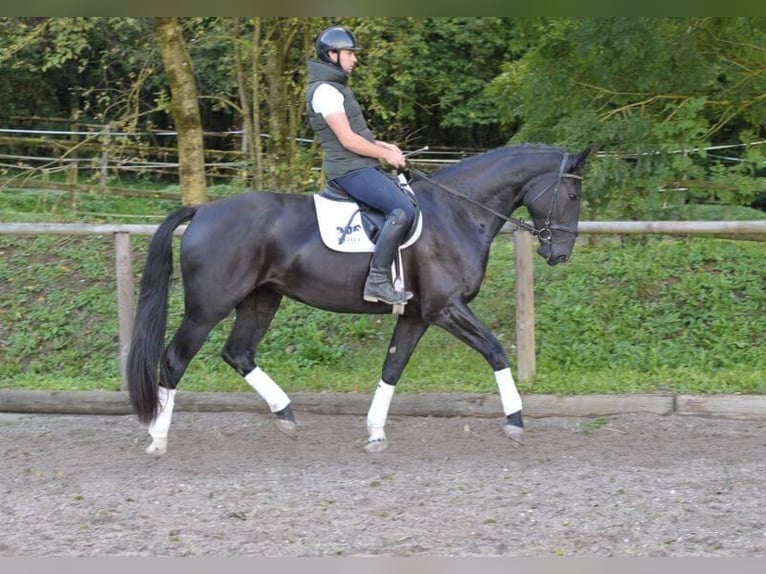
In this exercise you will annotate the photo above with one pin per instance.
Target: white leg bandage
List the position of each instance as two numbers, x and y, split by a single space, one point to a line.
378 413
270 392
509 396
159 427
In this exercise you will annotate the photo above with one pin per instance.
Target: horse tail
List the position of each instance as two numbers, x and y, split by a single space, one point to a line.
148 341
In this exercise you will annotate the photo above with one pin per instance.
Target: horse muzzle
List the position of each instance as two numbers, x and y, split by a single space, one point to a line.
556 244
557 260
553 257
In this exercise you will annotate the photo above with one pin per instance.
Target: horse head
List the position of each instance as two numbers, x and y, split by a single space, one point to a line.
553 202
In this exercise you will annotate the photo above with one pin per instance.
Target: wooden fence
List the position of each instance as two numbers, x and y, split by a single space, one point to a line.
523 247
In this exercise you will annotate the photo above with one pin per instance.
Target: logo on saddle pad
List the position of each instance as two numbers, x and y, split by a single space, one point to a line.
342 229
347 230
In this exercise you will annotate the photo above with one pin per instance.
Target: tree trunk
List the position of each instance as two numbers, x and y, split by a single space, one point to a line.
184 106
245 104
257 141
276 98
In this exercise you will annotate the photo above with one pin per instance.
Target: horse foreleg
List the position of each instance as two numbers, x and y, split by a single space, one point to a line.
407 333
159 427
377 416
459 320
513 426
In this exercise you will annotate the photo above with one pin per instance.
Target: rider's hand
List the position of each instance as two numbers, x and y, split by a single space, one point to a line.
395 158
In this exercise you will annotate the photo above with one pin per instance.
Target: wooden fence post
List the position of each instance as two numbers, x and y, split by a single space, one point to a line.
125 298
71 178
104 167
525 306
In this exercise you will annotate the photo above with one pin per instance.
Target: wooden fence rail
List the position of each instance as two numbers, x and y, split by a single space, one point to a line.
523 247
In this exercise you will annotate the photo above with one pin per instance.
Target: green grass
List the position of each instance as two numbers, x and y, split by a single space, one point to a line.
638 315
683 315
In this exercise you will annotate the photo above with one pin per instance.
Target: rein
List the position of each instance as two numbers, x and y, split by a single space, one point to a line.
543 234
517 222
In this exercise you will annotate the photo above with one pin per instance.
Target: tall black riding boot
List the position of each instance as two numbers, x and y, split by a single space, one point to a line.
379 286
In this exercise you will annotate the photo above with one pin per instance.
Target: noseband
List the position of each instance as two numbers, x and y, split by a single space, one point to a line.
546 232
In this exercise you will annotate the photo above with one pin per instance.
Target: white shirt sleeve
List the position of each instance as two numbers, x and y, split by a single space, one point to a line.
327 100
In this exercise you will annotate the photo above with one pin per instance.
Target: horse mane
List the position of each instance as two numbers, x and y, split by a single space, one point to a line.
521 149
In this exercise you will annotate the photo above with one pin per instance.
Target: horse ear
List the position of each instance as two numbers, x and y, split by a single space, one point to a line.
579 160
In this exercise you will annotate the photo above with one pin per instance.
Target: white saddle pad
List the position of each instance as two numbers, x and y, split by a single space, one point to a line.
340 225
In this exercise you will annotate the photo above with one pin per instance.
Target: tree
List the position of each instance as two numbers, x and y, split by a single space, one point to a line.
658 94
422 80
253 70
185 109
654 92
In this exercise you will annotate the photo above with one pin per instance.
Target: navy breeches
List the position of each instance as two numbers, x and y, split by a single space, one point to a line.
374 188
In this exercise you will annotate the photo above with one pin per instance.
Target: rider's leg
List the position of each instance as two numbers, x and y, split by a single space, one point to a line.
379 285
375 189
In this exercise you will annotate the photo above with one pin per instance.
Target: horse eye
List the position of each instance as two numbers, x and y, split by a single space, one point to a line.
572 196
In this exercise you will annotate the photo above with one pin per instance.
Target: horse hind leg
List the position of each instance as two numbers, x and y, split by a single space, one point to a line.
277 400
185 344
253 318
160 426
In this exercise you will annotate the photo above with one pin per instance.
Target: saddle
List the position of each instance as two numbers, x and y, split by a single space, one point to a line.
349 226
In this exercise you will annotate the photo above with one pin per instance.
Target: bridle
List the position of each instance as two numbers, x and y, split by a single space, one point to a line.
546 232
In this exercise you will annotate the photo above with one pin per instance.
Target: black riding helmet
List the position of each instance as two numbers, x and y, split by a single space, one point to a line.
335 38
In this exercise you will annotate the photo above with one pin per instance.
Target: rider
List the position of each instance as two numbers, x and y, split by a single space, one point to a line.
352 154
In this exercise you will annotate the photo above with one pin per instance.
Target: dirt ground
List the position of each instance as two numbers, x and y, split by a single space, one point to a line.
232 485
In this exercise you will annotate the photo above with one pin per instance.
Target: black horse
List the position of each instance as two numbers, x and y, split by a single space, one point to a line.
246 252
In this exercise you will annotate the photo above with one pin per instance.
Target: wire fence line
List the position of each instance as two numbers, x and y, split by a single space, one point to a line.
105 132
106 154
57 159
112 152
112 155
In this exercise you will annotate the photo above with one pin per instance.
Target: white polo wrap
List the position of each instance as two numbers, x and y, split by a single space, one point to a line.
160 426
270 392
509 395
381 402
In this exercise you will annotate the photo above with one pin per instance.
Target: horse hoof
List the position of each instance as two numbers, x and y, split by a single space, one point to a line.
516 434
377 445
286 427
158 447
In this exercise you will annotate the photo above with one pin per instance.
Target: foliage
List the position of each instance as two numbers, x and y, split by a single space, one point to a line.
414 77
676 105
95 68
656 93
